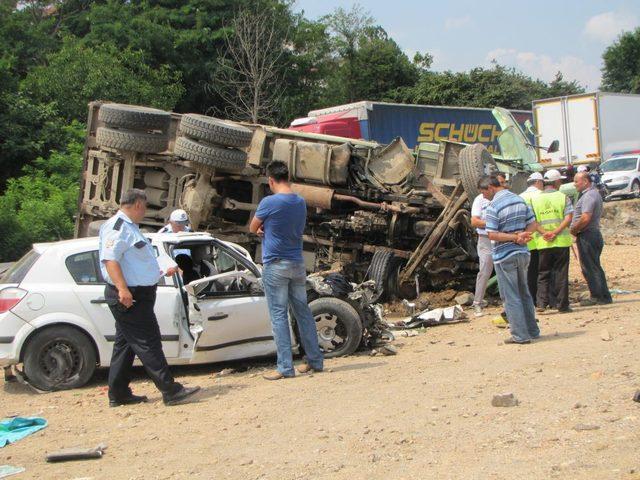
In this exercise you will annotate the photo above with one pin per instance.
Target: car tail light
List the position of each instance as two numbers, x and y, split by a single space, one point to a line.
10 297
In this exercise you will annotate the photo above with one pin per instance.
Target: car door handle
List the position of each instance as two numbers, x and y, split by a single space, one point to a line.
217 316
99 300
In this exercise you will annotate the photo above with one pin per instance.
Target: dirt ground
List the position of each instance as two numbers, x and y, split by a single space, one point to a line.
425 413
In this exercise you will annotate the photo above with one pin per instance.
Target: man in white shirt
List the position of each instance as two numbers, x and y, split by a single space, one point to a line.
478 211
178 222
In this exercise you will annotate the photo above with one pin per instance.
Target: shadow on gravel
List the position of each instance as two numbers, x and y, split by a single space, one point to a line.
560 336
357 366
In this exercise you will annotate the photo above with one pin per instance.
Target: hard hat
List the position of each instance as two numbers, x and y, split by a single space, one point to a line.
553 175
179 216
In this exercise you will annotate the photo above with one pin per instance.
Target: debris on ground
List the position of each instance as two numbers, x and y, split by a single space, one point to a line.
464 299
16 428
636 397
225 372
584 427
388 350
606 336
437 316
504 400
8 470
69 454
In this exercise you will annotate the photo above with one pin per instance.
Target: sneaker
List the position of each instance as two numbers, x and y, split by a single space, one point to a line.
513 341
306 368
184 395
130 400
477 310
275 375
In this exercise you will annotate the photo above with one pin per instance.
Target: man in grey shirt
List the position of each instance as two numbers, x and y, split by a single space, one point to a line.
586 227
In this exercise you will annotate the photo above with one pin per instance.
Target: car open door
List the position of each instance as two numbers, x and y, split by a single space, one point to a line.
230 320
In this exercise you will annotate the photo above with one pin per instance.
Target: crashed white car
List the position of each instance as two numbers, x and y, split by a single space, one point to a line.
55 321
621 176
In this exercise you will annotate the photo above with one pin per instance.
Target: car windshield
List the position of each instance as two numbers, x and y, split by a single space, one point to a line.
19 270
619 164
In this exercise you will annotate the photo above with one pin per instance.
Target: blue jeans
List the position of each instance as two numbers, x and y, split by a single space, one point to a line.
285 286
512 281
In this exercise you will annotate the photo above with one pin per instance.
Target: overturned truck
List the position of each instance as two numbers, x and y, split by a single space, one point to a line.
375 211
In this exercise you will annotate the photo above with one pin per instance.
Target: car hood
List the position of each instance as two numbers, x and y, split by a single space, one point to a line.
617 174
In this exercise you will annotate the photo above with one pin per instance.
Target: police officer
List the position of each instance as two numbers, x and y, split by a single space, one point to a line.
129 265
554 212
178 222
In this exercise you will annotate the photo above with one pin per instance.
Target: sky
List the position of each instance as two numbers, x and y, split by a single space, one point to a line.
537 37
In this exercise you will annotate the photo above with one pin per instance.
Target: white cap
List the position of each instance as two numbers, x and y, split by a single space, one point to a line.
535 176
582 168
179 216
553 175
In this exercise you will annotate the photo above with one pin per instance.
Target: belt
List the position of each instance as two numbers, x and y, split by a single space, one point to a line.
136 288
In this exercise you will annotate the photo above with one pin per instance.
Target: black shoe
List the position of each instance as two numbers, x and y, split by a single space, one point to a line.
181 396
512 341
565 310
130 400
588 302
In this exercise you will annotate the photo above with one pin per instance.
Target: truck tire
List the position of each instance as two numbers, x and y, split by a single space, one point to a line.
381 268
475 161
339 326
132 141
210 155
213 130
519 182
59 358
134 117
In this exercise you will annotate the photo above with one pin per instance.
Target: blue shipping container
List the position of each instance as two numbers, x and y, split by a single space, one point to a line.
383 122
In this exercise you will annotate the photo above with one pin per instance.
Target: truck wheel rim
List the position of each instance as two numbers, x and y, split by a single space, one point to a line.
330 331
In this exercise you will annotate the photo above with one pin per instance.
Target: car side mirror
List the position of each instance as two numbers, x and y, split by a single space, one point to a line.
554 147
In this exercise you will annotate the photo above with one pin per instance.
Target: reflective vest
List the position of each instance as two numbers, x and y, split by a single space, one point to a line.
528 197
549 209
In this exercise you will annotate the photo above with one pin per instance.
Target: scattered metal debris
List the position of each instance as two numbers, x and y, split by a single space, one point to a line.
437 316
68 454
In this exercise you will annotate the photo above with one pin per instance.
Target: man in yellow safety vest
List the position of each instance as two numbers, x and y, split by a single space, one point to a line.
535 185
554 212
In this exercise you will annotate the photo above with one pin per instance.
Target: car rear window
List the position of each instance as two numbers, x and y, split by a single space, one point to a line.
83 267
19 270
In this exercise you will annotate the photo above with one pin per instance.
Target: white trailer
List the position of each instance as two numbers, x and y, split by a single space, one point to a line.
590 127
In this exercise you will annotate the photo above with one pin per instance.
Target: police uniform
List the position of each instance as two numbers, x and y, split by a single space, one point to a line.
137 330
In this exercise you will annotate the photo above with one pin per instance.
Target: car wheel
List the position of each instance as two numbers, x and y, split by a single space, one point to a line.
59 358
338 324
635 189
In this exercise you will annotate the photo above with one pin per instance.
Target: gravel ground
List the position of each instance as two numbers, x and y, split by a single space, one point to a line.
425 413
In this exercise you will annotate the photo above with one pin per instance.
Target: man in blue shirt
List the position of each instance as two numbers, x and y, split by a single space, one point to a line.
129 266
509 224
280 220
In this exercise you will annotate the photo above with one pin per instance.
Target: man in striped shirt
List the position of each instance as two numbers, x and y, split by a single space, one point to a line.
510 223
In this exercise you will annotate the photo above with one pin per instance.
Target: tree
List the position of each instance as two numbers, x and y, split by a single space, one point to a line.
621 70
39 206
78 73
249 75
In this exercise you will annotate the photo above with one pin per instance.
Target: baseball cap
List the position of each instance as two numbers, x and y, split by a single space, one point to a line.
535 176
582 168
553 175
179 216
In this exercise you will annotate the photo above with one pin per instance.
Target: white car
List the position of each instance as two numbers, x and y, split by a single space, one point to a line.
55 321
621 176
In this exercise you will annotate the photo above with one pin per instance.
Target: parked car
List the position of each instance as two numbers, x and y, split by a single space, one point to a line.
621 176
54 318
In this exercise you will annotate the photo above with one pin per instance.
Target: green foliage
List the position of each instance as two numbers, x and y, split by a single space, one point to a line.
621 71
77 74
482 88
39 206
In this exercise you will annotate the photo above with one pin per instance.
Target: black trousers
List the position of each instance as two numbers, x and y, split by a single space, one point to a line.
137 333
590 245
532 274
553 277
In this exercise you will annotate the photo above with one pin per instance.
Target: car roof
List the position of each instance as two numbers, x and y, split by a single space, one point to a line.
92 242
